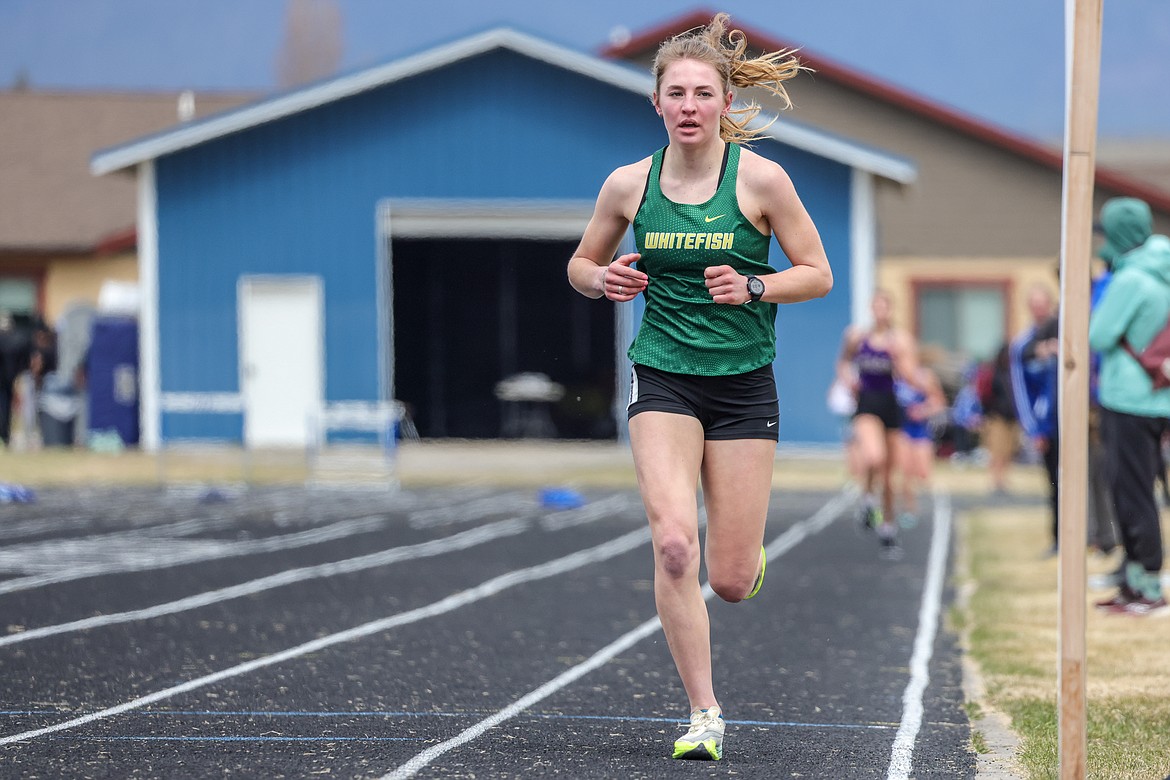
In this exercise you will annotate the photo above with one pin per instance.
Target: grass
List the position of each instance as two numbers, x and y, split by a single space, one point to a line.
1011 631
513 464
64 467
1127 737
973 709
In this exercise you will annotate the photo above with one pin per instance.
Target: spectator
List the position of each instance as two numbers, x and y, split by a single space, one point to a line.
1101 525
14 355
966 416
42 360
60 400
1133 308
1033 358
1000 430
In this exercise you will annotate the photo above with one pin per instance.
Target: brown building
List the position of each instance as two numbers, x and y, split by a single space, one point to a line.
63 231
960 245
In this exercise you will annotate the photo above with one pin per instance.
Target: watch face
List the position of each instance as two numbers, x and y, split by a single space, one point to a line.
755 286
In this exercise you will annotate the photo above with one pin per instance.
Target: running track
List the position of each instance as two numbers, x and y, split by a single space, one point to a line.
454 633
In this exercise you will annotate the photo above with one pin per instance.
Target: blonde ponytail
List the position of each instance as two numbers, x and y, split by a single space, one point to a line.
727 53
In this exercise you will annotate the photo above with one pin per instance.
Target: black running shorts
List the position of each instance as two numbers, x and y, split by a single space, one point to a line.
740 406
881 404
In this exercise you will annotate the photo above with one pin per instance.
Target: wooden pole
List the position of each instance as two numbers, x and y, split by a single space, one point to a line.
1083 73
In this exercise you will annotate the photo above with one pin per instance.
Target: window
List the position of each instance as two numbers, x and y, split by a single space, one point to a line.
18 295
963 318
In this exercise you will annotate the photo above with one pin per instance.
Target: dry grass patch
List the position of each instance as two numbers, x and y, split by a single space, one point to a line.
1012 631
206 464
515 464
521 463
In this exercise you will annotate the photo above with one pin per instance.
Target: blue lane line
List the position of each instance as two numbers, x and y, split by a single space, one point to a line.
769 723
470 714
544 716
145 738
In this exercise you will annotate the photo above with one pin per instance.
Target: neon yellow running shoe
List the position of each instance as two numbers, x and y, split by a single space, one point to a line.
759 577
704 740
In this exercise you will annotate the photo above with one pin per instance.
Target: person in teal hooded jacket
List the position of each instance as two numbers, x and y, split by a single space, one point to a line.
1134 307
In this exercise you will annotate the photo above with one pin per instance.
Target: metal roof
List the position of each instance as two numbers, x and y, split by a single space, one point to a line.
1053 158
618 75
49 201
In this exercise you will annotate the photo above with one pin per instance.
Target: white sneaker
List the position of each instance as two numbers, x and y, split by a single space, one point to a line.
704 740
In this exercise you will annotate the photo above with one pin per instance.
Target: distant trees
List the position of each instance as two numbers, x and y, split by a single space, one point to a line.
313 42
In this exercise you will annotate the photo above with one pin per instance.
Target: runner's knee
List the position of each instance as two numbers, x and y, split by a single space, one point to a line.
678 555
732 586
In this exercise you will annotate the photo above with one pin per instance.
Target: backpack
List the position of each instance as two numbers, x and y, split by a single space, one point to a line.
1155 358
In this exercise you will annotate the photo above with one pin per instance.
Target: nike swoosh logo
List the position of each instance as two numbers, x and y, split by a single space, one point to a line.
712 219
772 423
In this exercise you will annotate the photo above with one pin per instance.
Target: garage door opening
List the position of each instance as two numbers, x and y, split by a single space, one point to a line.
470 313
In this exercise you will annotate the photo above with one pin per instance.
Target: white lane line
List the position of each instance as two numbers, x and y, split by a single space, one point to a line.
592 512
902 754
143 554
460 541
624 642
132 546
79 514
177 528
491 587
785 542
228 515
450 514
45 525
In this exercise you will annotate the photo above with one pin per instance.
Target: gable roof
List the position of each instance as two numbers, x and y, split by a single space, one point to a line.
648 40
618 75
49 201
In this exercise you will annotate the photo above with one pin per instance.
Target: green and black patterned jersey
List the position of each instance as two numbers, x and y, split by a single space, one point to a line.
683 330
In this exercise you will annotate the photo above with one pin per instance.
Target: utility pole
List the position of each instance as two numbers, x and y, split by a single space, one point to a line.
1083 76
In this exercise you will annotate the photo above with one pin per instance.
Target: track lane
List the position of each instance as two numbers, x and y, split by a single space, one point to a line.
383 697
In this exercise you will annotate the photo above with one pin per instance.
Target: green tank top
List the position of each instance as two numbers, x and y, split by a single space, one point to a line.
683 331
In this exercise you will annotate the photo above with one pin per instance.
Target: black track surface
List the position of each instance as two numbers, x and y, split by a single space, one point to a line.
811 674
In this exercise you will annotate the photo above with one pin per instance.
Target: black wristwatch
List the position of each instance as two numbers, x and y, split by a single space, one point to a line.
755 288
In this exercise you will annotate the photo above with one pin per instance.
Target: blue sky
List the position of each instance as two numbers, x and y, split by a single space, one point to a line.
1000 60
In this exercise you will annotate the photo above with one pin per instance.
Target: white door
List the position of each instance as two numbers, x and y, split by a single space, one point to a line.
281 359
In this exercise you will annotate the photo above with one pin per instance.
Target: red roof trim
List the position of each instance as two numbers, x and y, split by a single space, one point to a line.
928 109
123 240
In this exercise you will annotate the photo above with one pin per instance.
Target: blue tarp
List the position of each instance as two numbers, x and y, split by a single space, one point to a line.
112 378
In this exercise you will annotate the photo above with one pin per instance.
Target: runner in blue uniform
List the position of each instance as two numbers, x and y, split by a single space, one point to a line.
916 449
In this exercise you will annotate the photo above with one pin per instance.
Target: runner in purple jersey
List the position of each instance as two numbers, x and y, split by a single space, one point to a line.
871 357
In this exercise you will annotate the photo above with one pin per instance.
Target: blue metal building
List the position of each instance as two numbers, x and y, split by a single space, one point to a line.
402 231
